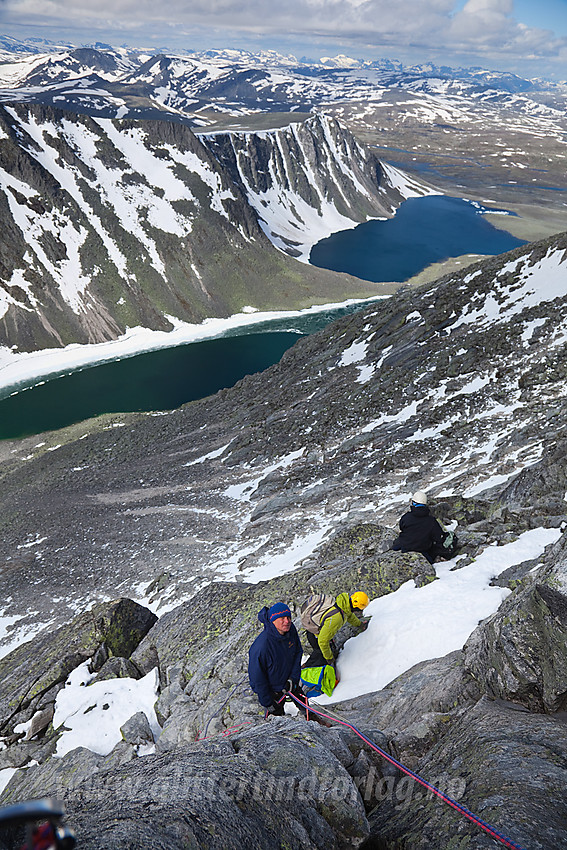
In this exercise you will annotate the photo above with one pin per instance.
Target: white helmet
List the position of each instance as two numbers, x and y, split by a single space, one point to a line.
419 497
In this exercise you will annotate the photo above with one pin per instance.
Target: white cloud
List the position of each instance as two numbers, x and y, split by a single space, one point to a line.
485 28
318 16
489 24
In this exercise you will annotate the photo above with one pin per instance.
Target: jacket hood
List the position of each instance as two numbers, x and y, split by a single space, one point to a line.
343 601
419 510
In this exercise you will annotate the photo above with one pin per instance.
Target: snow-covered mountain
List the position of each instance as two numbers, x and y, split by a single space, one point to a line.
468 130
92 250
201 87
115 225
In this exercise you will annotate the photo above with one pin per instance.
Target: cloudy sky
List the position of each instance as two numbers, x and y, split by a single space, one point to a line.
525 36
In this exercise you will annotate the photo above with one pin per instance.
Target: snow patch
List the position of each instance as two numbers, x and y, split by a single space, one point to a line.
417 624
92 714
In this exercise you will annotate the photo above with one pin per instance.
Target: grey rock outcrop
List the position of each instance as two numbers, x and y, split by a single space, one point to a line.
277 784
137 730
510 776
61 777
32 674
233 793
416 708
520 653
221 774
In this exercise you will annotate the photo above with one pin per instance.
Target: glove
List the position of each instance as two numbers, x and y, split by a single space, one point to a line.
288 685
330 661
364 625
275 710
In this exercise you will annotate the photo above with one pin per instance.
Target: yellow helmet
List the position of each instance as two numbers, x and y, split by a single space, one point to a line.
359 600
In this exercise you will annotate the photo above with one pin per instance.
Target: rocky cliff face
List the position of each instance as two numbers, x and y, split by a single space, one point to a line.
308 177
295 478
110 225
219 773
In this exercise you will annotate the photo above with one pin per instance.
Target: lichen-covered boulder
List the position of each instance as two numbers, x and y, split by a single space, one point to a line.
519 653
273 785
502 764
31 674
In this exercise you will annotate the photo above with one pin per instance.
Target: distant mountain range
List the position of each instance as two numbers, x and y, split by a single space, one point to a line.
203 88
145 222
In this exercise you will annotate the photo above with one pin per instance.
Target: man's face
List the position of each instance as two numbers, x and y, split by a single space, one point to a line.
282 624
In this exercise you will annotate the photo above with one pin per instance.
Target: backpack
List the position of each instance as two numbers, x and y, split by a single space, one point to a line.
315 611
318 680
449 544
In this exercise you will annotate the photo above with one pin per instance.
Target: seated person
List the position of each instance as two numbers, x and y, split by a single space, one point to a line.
419 531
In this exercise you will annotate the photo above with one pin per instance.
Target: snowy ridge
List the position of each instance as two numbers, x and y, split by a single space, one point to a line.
201 87
101 211
309 180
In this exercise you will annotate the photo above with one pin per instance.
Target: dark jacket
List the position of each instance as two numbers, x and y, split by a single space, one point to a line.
419 531
273 659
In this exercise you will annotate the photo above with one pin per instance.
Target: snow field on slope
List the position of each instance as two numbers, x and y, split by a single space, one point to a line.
22 367
418 624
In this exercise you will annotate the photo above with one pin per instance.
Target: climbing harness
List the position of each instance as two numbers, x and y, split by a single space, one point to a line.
507 842
278 701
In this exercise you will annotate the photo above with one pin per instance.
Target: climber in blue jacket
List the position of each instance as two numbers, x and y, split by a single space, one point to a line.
274 659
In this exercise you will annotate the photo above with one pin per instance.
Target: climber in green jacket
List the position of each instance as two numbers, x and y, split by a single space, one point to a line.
346 609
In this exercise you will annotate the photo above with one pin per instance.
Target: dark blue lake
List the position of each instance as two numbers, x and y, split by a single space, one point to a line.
423 231
156 380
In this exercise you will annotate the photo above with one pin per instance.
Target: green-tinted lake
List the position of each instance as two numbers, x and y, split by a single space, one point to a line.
156 380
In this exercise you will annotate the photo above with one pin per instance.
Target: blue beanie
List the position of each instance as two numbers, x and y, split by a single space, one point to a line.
280 609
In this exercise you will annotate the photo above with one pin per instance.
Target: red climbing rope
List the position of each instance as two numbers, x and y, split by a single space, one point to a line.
225 732
507 842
